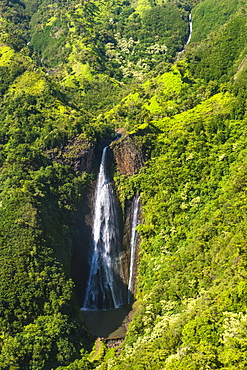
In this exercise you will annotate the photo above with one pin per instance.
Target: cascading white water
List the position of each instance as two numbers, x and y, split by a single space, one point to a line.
190 27
133 245
189 37
105 288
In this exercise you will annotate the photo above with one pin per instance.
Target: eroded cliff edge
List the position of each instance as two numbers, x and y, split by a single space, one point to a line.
128 155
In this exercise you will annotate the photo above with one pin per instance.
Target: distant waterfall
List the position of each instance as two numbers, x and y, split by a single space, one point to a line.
189 37
133 246
105 288
190 27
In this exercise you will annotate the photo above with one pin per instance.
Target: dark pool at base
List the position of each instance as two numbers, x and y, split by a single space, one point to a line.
106 323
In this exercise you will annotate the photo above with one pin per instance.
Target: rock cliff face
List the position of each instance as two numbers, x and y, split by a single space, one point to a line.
80 259
78 154
82 156
128 155
127 243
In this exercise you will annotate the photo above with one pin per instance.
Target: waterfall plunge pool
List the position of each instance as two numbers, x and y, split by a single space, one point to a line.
107 323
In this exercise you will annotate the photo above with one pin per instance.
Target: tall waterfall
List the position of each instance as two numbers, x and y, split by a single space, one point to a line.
133 245
105 288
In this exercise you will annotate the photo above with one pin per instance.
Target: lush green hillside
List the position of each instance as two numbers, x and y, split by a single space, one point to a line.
192 270
220 55
70 73
40 320
191 308
208 16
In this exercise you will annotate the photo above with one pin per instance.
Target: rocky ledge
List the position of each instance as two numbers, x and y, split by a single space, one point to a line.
128 155
78 154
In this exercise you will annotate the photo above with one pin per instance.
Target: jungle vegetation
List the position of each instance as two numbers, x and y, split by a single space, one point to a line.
73 71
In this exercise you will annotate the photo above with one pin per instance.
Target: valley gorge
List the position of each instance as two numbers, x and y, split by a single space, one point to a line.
123 184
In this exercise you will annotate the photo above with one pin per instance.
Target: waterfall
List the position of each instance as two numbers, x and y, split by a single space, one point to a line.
190 26
105 288
188 40
133 245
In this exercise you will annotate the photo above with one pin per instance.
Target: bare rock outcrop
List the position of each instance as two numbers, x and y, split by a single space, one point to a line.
78 154
128 155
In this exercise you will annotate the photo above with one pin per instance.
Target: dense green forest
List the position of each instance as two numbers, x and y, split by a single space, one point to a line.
72 72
